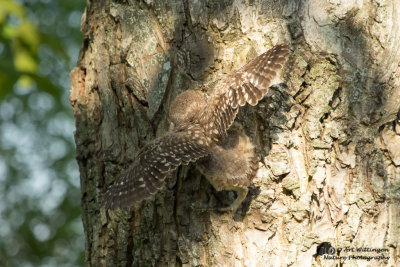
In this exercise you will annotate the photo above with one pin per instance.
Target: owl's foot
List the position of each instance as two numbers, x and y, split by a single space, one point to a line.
242 193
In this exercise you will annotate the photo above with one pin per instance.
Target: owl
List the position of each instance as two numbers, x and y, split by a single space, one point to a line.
201 131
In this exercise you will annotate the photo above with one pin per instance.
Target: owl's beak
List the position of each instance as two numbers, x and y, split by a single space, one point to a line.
171 125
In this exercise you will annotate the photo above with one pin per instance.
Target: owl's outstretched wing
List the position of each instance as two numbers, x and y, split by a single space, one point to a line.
146 175
246 85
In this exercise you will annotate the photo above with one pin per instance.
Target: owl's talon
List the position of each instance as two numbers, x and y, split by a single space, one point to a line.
242 193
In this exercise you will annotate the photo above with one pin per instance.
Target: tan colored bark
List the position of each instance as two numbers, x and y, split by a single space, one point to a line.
328 144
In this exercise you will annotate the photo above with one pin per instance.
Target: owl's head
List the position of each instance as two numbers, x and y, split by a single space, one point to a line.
187 107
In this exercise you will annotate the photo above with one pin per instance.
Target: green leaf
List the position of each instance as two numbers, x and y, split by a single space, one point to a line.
24 61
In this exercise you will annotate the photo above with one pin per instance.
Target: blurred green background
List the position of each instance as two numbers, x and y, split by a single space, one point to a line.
40 222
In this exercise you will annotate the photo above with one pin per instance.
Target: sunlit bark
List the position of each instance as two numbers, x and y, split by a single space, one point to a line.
329 143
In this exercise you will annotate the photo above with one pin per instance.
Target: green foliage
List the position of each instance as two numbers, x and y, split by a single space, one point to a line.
40 222
20 42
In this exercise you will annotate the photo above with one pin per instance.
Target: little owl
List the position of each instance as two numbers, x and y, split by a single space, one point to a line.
200 132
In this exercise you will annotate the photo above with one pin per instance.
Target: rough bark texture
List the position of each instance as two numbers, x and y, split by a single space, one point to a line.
329 144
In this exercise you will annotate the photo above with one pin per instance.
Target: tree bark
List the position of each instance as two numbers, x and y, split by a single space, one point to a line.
329 143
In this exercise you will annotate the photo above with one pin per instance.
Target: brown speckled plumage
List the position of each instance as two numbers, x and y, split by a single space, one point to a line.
201 123
231 165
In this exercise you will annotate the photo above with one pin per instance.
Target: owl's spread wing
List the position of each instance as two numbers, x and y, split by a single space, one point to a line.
146 175
246 85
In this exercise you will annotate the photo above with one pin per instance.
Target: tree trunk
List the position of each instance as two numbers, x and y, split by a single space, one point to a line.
329 143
